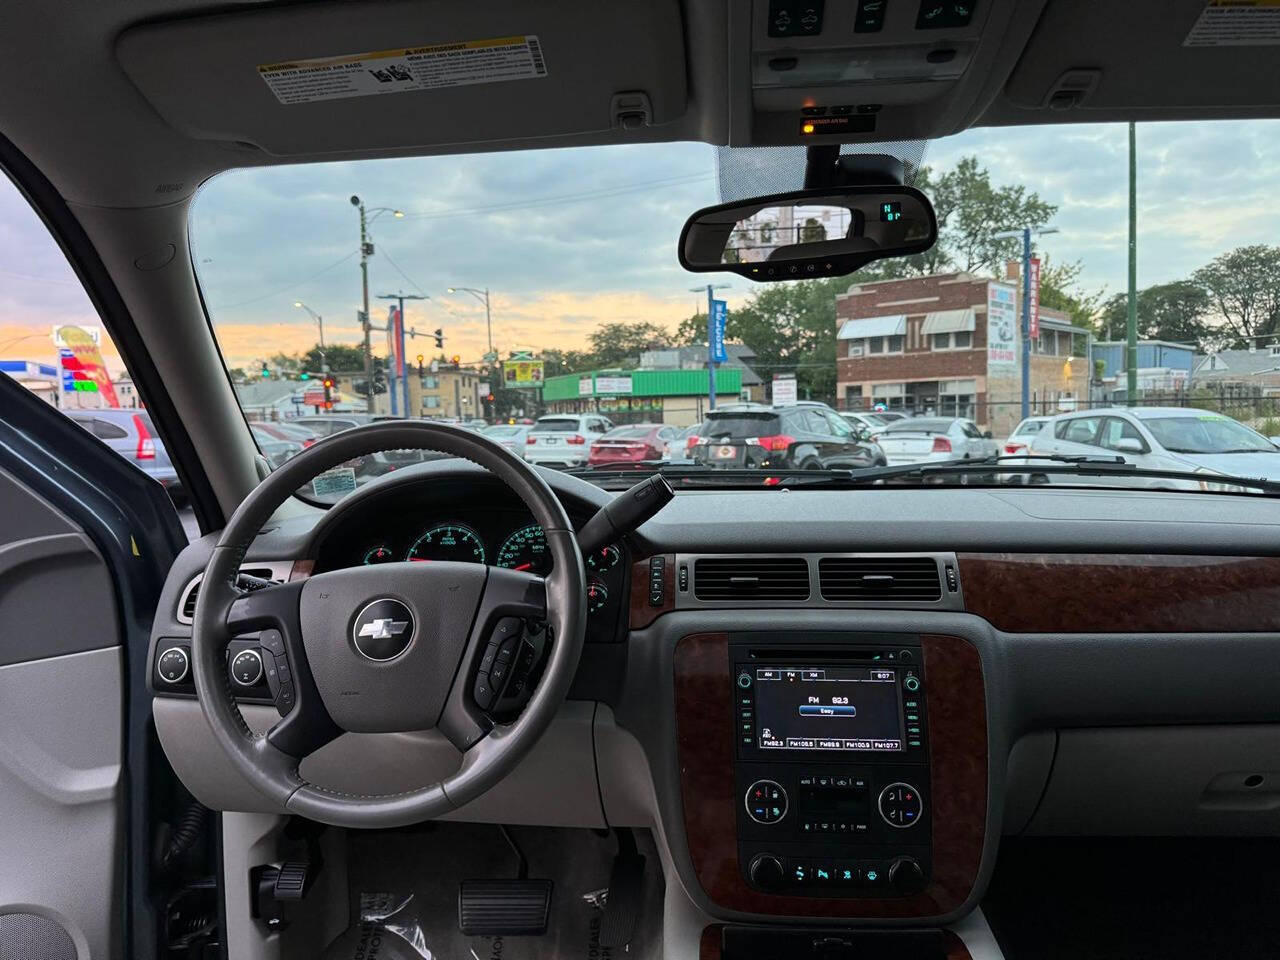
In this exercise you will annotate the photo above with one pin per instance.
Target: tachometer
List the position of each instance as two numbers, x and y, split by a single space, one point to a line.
379 554
448 541
526 550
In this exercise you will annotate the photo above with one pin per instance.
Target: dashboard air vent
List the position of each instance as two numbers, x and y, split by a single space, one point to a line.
751 578
879 579
187 613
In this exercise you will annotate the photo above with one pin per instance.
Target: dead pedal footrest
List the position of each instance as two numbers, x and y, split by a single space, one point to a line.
509 908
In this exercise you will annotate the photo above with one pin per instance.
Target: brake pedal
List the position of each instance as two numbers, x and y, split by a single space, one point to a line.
508 908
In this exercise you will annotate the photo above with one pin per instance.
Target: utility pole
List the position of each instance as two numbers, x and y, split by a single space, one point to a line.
401 360
365 249
483 296
1131 350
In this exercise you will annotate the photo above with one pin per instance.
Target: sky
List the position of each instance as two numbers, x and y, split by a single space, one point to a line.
568 239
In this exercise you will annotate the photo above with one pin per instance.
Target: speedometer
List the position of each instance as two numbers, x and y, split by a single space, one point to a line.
448 541
526 550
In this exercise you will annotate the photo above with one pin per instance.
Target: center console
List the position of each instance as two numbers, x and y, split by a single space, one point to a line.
829 774
832 764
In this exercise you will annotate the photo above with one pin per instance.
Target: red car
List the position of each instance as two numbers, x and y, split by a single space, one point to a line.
633 443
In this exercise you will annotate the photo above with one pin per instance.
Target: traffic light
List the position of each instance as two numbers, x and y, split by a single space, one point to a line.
420 365
328 386
304 375
328 383
439 339
455 360
265 372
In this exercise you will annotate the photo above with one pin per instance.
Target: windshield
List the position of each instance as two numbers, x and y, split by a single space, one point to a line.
1206 433
544 285
1031 426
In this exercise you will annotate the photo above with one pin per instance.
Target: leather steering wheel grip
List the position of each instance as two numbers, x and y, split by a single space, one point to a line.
274 771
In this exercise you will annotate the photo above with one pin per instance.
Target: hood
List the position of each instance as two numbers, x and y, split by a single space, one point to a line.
1261 466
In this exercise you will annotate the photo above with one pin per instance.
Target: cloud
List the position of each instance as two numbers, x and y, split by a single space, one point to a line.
568 239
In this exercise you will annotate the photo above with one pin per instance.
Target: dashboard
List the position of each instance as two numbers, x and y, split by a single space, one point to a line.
460 523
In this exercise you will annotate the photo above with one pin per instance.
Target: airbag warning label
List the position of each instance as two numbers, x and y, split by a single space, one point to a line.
406 68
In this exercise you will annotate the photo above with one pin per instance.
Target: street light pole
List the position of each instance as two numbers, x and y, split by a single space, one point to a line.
402 362
483 297
324 363
1025 233
366 251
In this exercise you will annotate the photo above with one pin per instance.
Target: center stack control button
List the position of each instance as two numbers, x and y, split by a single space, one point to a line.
766 802
900 805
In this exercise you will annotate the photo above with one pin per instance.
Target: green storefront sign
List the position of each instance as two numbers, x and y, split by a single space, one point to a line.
642 389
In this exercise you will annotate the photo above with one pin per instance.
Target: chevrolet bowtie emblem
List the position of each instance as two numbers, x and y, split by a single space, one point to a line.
384 628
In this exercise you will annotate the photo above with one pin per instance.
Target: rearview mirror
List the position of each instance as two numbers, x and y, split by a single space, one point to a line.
827 232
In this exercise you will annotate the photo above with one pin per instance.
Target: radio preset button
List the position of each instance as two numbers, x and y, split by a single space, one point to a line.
900 805
766 802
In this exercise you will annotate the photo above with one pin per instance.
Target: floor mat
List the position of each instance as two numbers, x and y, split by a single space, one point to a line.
430 862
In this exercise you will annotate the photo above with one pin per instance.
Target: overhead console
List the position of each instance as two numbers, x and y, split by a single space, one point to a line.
876 70
833 774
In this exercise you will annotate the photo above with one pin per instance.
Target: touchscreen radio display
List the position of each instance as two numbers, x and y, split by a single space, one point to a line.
828 708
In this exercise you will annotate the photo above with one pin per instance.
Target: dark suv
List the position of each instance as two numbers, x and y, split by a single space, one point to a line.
806 436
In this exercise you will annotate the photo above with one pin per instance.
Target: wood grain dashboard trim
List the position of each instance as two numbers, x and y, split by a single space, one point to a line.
958 753
1121 593
642 613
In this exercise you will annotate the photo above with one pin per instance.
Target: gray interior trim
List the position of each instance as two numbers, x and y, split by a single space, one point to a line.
277 570
60 783
555 785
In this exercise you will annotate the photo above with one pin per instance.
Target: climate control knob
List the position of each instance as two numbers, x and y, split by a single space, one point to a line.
766 801
900 805
905 875
765 872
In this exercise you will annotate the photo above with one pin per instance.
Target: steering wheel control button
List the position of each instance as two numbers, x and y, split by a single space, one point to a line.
173 665
383 629
900 805
246 668
766 802
483 692
272 642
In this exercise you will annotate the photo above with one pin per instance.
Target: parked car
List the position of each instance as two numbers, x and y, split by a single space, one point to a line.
678 448
802 436
872 422
286 430
565 439
632 443
513 436
1022 435
277 450
1161 438
371 465
131 434
891 416
924 439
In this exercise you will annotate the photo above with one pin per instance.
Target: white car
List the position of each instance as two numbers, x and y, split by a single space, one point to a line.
927 439
564 439
513 436
874 423
1161 438
678 447
1023 434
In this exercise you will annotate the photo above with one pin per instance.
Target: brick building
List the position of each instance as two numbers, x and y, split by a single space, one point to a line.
950 344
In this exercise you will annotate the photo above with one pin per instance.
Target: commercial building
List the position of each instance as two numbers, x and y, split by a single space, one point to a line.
677 397
1255 370
950 344
694 357
1163 367
42 379
449 392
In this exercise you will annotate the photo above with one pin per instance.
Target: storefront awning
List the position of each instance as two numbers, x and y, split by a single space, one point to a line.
948 321
894 325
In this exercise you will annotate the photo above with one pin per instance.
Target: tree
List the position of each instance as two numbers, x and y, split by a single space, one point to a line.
340 357
1060 290
1167 311
556 362
1244 287
620 343
970 211
238 375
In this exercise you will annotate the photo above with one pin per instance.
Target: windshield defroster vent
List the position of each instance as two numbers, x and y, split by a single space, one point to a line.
879 579
751 578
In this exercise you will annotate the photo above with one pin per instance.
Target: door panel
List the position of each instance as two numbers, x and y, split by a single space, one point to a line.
61 735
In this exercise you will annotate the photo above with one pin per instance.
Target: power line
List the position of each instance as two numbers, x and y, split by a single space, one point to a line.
292 286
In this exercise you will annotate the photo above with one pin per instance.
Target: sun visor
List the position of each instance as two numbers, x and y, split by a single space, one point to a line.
318 78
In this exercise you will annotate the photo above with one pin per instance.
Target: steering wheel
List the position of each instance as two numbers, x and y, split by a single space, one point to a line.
391 648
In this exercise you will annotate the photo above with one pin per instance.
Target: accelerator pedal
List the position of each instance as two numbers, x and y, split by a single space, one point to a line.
626 893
